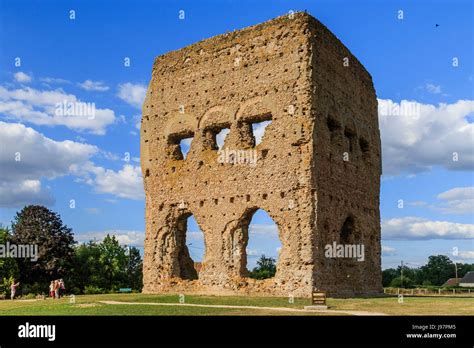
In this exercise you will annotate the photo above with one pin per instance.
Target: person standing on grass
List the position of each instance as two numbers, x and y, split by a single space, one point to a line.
62 287
51 289
13 289
56 289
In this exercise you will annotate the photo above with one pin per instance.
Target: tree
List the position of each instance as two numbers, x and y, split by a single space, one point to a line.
85 270
134 269
266 268
37 225
388 275
399 283
105 266
114 261
8 265
438 269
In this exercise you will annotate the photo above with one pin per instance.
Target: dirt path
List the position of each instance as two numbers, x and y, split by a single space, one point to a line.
281 309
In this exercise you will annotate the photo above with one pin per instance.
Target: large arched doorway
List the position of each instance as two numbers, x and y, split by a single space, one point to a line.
190 247
263 245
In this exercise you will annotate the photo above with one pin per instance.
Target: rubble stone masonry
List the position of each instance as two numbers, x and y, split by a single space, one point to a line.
317 169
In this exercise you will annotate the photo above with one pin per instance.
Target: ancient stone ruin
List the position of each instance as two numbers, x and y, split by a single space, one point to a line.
317 169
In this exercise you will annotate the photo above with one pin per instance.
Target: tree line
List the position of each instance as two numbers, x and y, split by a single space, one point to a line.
435 273
93 267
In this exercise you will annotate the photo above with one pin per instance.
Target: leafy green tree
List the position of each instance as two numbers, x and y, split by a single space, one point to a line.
85 270
407 272
266 268
388 275
8 265
113 260
402 283
134 269
105 266
438 269
37 225
463 268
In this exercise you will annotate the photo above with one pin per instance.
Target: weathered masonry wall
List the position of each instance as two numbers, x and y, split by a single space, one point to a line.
282 71
346 166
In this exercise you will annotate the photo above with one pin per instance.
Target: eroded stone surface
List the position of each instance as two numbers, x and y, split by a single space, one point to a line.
292 71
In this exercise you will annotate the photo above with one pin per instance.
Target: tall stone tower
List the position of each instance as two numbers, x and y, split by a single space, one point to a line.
317 169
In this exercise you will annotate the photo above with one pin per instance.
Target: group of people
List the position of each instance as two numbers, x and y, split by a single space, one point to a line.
56 288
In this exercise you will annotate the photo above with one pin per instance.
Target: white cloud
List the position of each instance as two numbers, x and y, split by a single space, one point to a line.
388 251
259 130
416 136
53 80
22 77
459 200
125 237
220 137
53 108
466 255
194 236
90 85
137 119
26 156
268 230
133 94
125 183
38 156
22 192
435 89
418 203
253 253
43 158
458 193
407 228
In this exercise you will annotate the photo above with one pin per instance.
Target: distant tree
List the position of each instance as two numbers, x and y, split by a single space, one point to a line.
113 259
134 269
407 272
37 225
388 275
438 269
463 268
86 269
8 265
266 268
400 282
105 266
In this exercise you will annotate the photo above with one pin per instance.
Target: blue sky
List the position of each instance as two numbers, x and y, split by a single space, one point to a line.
82 59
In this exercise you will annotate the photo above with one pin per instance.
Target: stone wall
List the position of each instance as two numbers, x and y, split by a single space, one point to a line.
289 71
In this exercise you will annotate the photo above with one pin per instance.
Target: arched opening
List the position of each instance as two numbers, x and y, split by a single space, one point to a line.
252 128
215 136
220 137
263 245
348 233
258 130
195 243
180 143
190 247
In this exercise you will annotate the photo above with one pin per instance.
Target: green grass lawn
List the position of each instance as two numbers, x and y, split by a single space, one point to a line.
410 305
90 305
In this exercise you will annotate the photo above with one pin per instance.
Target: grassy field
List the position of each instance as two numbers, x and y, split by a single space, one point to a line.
91 305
